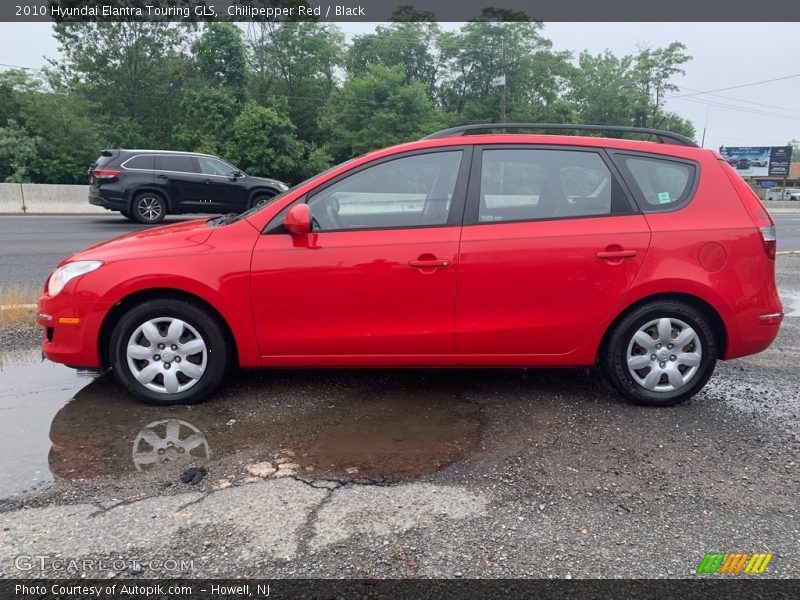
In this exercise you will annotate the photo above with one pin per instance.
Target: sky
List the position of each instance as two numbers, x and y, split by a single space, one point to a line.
725 55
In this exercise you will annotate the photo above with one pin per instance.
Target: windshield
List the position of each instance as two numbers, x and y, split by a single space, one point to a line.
258 207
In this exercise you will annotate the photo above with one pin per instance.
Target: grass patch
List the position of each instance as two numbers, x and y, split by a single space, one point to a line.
18 304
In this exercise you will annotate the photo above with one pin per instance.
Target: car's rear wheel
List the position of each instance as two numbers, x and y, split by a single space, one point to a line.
660 354
149 208
169 352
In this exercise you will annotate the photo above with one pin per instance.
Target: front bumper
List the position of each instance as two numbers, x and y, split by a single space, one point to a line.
71 329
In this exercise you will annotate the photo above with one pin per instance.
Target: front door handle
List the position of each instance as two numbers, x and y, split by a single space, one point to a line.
616 254
161 176
429 264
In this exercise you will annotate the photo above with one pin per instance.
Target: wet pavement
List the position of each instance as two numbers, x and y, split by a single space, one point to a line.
411 473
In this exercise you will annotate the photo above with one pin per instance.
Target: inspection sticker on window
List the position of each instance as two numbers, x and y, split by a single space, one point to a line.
663 198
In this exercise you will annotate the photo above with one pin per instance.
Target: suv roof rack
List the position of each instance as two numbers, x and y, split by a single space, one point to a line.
665 137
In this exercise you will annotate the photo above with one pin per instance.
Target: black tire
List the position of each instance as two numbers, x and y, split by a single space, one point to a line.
259 199
148 208
620 345
215 358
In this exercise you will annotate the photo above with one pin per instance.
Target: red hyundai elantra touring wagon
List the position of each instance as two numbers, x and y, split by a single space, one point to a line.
649 259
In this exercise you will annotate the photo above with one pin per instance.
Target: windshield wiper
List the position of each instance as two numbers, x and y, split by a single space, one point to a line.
224 219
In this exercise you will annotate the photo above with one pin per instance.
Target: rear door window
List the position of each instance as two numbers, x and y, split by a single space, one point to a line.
661 184
176 163
525 184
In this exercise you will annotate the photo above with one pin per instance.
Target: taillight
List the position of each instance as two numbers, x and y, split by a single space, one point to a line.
770 240
105 173
756 210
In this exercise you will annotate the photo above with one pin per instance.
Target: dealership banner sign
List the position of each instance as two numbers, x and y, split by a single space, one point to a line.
759 161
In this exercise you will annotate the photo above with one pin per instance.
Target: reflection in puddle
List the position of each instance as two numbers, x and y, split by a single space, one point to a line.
168 440
31 391
387 434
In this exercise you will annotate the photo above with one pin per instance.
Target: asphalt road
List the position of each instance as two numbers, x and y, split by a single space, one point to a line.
30 246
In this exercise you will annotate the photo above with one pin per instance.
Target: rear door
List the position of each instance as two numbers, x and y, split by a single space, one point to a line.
178 177
550 241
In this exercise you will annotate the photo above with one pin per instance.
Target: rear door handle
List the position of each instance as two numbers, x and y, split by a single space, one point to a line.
616 254
161 176
206 181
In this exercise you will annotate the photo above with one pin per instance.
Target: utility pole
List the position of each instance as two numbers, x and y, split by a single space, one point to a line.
705 126
503 91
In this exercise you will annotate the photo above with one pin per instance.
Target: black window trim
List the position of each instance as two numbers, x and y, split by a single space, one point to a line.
471 214
454 218
645 207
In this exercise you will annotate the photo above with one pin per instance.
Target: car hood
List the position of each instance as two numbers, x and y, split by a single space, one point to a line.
147 241
271 182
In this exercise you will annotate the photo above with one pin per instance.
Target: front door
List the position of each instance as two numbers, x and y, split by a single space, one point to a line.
550 242
376 277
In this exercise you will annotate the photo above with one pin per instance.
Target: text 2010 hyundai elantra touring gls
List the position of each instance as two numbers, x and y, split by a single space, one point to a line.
649 259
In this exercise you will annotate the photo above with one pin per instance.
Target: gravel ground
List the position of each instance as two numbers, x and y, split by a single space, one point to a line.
431 474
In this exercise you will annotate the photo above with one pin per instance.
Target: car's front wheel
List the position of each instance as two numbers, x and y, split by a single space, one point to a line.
169 352
661 353
149 208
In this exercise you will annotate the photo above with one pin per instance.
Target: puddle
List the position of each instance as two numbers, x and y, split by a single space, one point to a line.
392 435
31 392
54 425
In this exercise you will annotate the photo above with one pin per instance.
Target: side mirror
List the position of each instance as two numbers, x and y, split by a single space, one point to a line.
235 175
298 220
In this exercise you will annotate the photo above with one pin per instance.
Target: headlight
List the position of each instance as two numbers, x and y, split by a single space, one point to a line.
63 275
282 186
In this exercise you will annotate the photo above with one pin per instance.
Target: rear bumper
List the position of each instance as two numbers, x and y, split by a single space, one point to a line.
107 201
753 332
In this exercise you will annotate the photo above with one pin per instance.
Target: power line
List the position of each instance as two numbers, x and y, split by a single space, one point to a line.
734 87
797 110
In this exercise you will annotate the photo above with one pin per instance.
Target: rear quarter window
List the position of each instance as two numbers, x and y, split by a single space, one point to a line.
143 161
659 184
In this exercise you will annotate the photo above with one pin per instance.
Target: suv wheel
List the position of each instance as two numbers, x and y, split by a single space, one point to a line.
149 208
660 354
259 199
169 352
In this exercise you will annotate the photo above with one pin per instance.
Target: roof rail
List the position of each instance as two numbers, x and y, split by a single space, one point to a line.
665 137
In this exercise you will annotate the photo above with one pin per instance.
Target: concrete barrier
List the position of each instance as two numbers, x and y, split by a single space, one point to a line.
34 198
44 198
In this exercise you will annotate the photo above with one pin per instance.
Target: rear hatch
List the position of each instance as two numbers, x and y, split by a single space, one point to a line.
100 172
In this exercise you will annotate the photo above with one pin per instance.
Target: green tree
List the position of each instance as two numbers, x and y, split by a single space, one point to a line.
297 61
653 74
17 149
207 118
410 45
265 142
376 110
602 89
128 70
482 51
220 57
